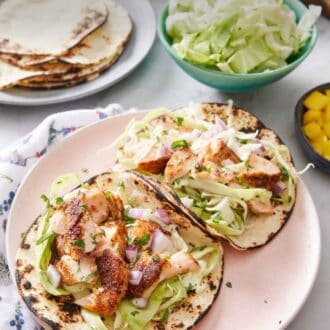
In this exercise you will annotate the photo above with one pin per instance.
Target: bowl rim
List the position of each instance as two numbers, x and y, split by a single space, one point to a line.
299 110
286 69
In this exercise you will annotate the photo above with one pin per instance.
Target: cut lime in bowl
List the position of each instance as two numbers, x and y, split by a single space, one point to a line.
235 82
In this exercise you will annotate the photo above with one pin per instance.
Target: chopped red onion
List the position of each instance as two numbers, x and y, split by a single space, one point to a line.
136 213
220 123
165 150
131 252
54 276
162 216
187 202
135 277
140 302
261 149
278 187
160 242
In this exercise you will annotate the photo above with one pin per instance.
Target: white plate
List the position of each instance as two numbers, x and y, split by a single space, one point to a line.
269 285
143 35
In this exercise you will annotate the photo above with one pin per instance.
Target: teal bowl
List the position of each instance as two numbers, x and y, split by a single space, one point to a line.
233 83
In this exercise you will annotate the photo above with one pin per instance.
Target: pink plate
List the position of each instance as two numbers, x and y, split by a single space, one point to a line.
269 285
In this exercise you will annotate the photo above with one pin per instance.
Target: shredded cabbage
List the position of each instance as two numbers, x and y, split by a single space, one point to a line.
44 253
62 182
221 189
93 320
169 291
46 236
207 258
238 36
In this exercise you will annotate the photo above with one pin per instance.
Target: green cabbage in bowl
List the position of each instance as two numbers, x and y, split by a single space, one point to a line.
246 36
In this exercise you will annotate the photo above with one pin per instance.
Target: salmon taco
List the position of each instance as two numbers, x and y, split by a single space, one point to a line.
114 253
220 165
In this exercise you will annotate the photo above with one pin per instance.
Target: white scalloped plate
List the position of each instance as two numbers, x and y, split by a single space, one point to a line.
143 35
269 284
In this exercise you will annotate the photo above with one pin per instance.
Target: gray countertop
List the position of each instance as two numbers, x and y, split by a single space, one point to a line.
159 82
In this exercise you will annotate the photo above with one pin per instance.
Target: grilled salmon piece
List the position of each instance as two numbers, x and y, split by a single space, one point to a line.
73 271
261 173
67 216
113 235
96 204
181 163
217 151
154 161
140 228
114 276
213 173
151 267
156 269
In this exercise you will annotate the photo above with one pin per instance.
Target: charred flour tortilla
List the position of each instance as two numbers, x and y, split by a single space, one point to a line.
66 23
61 312
245 190
95 52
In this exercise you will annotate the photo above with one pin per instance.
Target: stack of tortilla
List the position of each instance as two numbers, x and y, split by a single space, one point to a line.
59 43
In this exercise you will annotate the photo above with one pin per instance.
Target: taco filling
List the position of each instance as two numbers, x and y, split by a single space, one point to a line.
124 260
222 174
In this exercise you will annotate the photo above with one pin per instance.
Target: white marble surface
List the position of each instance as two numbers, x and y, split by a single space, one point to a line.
159 82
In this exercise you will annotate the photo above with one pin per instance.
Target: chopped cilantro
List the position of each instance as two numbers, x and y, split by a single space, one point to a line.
247 163
128 219
202 204
190 288
121 148
180 144
83 208
285 173
135 260
93 236
143 240
80 243
59 201
243 141
134 313
45 199
121 185
165 316
155 258
108 194
45 237
131 201
88 277
179 121
229 285
165 132
85 186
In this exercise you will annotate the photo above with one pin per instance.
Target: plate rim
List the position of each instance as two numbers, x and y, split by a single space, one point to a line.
129 115
57 99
